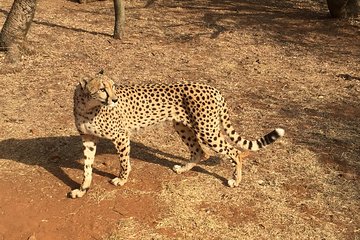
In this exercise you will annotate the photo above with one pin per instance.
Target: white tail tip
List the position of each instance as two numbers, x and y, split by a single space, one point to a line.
280 131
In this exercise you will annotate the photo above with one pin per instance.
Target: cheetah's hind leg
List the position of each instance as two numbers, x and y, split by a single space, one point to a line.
189 138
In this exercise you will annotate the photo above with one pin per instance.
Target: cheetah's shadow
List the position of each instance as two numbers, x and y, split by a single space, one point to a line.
56 153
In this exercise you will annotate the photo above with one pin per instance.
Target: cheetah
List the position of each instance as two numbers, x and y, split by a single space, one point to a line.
198 112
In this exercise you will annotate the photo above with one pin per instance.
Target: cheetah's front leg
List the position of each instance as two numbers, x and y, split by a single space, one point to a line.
89 144
122 145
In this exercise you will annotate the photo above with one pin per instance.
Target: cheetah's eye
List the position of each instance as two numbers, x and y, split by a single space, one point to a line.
102 89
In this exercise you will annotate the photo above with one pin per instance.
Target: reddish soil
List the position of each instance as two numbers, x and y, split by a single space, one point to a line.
278 63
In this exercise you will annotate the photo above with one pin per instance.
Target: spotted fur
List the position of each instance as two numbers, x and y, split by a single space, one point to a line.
198 112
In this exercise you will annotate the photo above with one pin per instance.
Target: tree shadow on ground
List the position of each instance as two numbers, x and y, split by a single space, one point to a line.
79 30
55 153
331 131
285 22
4 12
54 25
328 129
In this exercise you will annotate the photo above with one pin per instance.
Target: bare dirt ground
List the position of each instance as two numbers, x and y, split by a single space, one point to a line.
278 63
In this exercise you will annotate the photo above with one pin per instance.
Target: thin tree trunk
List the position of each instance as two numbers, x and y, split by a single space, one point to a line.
119 27
16 26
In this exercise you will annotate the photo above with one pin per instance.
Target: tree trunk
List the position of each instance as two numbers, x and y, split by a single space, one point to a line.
344 8
119 8
16 26
119 27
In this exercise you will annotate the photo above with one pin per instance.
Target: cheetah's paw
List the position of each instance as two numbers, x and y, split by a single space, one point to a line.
77 193
232 183
118 181
179 169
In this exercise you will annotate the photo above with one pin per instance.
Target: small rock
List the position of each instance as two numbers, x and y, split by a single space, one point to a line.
32 237
261 182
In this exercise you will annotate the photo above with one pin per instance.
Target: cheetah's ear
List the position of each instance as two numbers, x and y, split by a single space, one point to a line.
83 83
101 72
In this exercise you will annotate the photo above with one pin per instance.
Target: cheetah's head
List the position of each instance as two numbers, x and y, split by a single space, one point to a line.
100 89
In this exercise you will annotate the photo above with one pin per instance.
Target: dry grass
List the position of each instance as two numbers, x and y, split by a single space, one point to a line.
278 64
131 229
98 194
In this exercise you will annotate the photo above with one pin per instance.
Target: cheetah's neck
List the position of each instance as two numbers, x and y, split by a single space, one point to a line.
83 104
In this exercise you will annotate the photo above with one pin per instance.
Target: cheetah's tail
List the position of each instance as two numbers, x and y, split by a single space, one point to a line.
253 145
260 142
